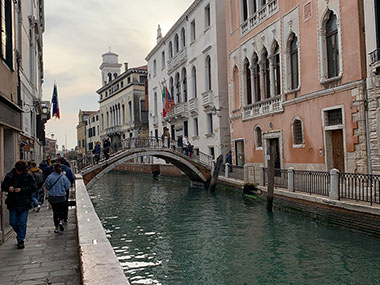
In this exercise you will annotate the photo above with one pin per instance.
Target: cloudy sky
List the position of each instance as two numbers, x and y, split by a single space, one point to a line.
79 32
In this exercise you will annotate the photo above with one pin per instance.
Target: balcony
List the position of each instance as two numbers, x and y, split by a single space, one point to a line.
207 99
112 131
268 106
178 59
375 61
265 12
193 105
179 111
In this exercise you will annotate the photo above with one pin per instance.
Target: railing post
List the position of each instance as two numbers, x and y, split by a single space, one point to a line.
291 179
226 170
334 184
262 182
246 174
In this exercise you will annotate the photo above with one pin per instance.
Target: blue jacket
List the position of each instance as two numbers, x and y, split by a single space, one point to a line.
46 169
69 173
60 188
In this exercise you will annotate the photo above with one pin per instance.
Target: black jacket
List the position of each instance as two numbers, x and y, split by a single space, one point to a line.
23 199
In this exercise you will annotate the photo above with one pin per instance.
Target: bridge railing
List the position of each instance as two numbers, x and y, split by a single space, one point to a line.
150 143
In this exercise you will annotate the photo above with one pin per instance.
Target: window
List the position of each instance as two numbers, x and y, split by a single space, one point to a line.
244 10
114 75
207 16
196 130
192 31
184 83
258 137
143 78
123 115
236 88
178 88
130 111
293 50
79 143
277 70
109 77
256 78
90 146
297 132
121 84
208 73
183 37
266 75
154 68
83 144
108 120
334 117
156 133
163 60
155 104
170 50
253 6
6 32
248 82
129 80
210 127
176 44
186 128
332 46
171 86
211 151
194 77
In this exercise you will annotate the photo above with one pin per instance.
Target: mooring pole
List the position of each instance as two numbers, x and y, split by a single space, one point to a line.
215 174
272 155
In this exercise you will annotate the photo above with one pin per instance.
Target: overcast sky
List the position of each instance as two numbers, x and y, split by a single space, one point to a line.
77 34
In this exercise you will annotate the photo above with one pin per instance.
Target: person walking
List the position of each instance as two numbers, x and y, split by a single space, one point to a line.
39 179
106 147
57 185
69 175
20 185
96 152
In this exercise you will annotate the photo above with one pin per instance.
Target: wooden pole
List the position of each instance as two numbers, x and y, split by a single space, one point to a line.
272 154
215 174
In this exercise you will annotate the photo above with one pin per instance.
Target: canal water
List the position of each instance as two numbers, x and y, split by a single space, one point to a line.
165 232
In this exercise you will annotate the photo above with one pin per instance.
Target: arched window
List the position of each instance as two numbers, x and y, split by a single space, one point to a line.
171 86
258 137
293 62
256 78
276 69
244 10
332 46
236 88
184 84
253 6
183 37
109 77
208 73
114 75
248 82
178 88
155 104
297 132
194 76
170 50
266 75
176 44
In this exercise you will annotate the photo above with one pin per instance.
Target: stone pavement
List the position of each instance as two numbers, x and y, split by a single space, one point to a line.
48 257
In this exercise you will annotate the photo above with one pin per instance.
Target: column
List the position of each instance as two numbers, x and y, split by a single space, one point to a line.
334 185
291 179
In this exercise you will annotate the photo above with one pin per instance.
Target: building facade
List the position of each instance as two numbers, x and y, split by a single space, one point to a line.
190 61
122 106
296 73
93 130
372 28
82 147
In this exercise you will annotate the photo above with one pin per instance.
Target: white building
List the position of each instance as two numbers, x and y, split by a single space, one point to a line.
372 32
30 27
191 61
122 104
92 130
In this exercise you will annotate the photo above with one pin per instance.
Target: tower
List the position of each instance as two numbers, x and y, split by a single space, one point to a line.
110 67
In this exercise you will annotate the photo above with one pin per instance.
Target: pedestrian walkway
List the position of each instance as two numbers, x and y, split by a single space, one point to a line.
48 258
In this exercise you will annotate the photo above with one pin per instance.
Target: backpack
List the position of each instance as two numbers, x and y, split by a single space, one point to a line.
39 178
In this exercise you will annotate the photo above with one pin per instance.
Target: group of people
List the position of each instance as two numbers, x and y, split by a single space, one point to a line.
26 186
97 150
182 142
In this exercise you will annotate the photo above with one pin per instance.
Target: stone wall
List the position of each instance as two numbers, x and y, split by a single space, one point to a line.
167 170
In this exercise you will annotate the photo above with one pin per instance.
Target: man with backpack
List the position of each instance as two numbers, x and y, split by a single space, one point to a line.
39 179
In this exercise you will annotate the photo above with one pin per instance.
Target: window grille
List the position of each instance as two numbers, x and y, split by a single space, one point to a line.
297 132
334 117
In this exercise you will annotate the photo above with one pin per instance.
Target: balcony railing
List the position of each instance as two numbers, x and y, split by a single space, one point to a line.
268 10
207 99
179 110
193 105
374 56
115 130
268 106
177 60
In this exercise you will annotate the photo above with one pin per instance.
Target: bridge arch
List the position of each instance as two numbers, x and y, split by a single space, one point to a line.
195 170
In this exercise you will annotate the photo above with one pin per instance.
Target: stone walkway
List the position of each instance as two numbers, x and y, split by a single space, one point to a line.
48 258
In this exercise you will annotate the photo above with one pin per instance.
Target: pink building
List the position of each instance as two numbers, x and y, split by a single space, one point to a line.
296 72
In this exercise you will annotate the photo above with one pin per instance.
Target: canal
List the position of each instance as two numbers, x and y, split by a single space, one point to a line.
165 232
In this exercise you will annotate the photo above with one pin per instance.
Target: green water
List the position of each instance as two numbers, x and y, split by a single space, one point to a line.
165 232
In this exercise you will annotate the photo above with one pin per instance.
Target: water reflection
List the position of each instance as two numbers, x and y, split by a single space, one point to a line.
164 232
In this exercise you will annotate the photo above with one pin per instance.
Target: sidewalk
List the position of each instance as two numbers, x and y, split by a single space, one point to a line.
48 258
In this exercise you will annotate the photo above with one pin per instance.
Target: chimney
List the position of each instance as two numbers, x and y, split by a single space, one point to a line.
126 66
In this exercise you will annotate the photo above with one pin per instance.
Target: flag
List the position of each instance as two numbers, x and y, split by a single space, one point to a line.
54 102
164 99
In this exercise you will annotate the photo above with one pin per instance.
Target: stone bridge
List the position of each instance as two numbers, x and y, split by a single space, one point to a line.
197 167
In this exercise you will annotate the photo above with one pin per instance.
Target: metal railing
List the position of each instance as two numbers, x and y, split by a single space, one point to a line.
360 187
374 56
236 172
280 177
150 143
312 182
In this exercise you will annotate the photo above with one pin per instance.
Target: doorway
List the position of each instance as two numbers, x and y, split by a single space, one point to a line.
239 151
277 161
338 149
